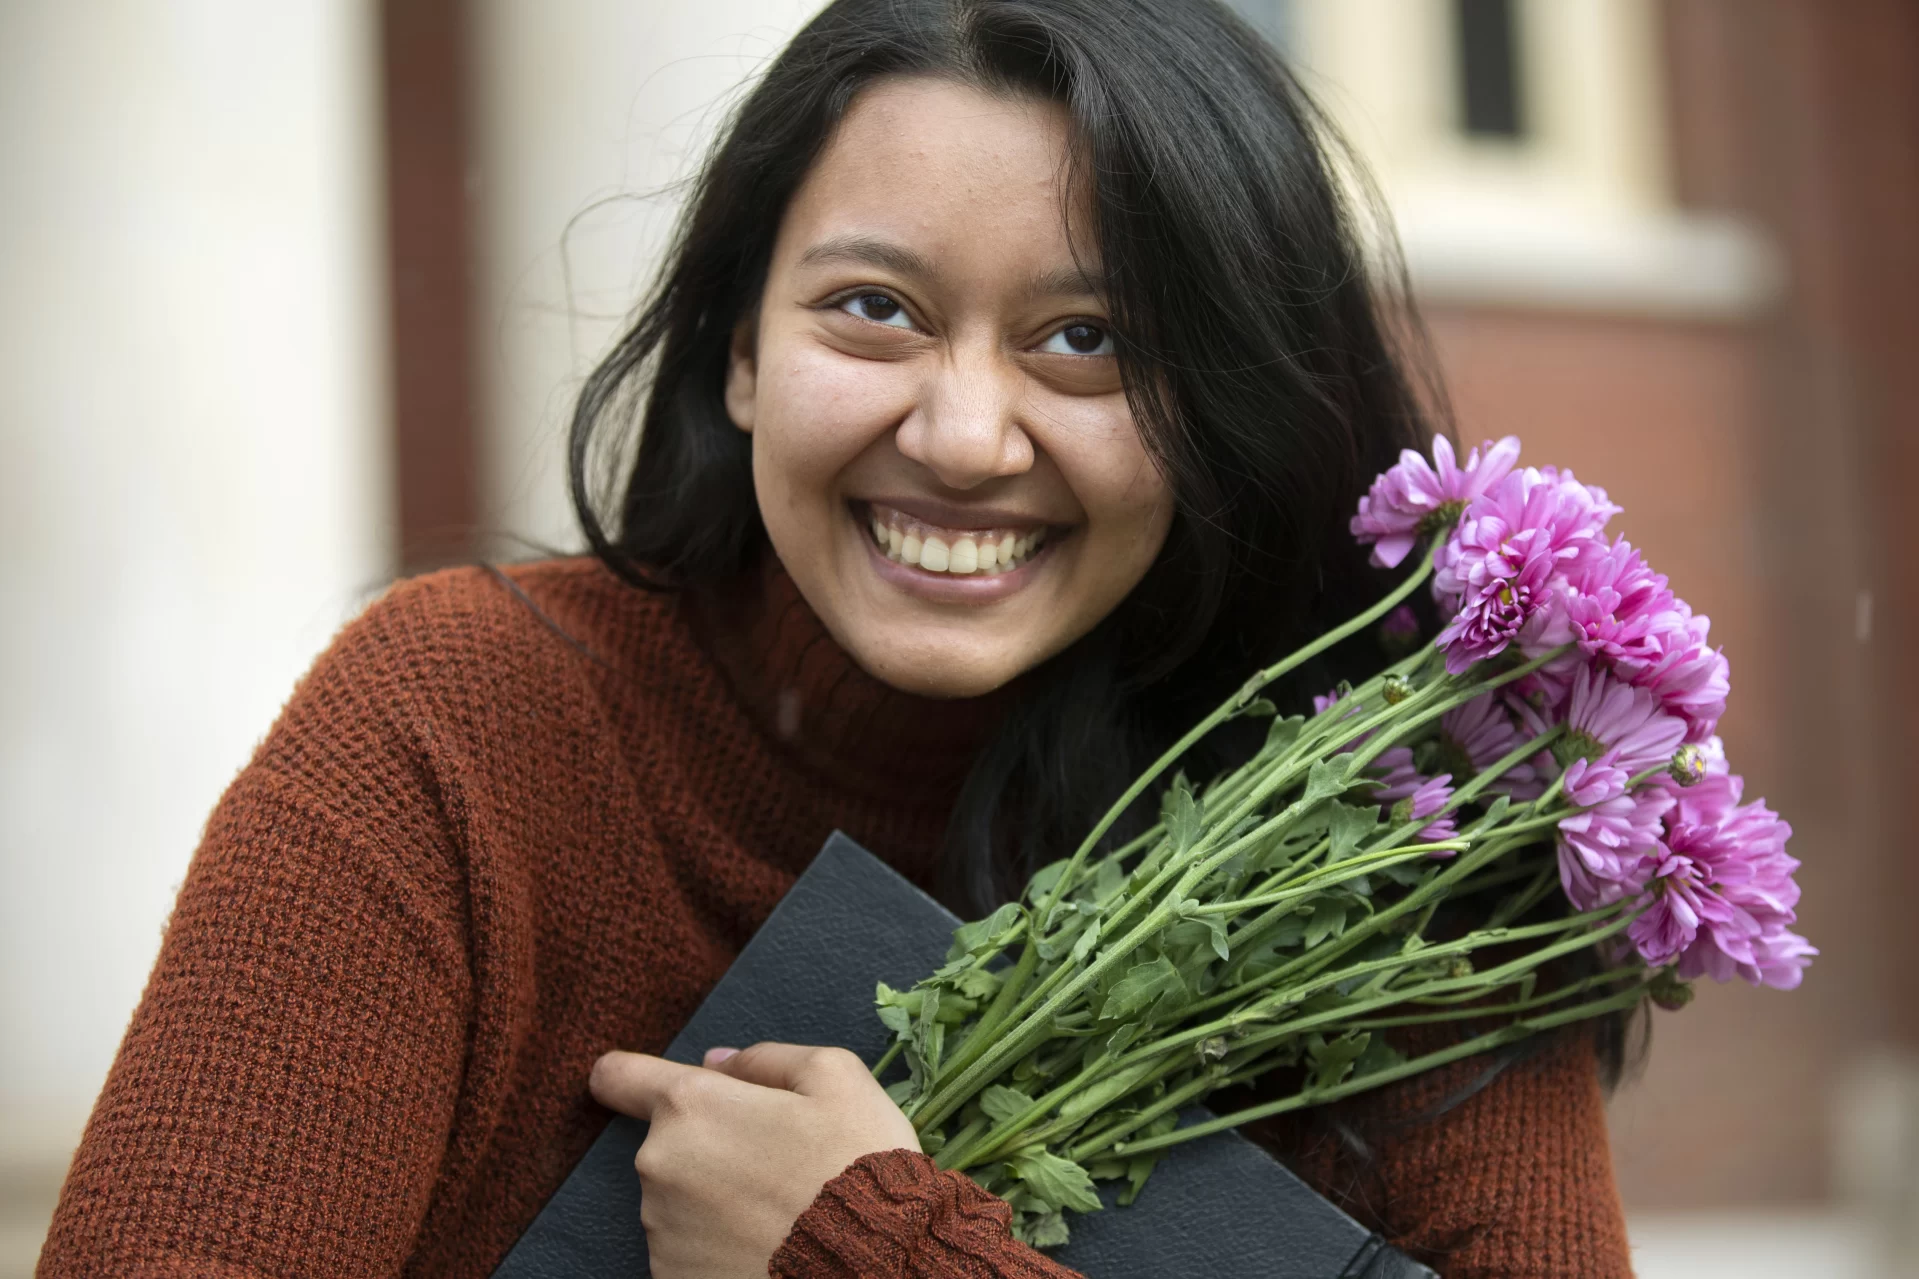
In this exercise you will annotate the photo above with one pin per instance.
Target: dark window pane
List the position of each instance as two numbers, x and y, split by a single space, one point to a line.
1487 38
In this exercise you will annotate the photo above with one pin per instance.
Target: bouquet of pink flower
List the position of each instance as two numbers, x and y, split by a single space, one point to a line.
1547 768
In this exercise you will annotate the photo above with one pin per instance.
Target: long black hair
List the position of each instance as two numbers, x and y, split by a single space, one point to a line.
1258 357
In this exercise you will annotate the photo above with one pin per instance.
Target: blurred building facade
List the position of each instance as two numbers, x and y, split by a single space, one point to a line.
1667 242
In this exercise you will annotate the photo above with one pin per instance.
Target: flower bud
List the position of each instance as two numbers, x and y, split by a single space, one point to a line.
1688 766
1399 633
1397 689
1669 992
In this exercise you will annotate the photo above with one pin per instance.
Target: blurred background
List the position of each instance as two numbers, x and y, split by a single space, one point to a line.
294 298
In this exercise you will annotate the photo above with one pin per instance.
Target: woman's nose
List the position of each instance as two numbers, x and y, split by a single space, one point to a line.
967 428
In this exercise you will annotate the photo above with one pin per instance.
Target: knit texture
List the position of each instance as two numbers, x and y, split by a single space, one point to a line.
893 1215
514 819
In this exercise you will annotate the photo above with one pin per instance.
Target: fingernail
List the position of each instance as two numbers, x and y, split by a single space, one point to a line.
714 1056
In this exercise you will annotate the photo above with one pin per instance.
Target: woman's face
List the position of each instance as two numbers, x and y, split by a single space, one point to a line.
943 454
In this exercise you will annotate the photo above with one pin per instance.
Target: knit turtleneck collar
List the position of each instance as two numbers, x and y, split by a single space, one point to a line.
853 730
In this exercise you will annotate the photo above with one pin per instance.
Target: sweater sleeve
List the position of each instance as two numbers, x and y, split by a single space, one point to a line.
896 1215
1513 1182
282 1100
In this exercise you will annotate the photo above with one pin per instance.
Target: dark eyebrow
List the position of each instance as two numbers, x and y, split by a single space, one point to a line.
872 252
1065 281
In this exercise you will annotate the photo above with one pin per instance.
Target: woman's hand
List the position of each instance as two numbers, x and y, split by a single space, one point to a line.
737 1150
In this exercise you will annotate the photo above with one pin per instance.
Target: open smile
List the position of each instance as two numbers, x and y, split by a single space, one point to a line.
944 562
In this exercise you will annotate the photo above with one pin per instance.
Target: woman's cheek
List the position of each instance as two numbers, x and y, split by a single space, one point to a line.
830 407
1098 450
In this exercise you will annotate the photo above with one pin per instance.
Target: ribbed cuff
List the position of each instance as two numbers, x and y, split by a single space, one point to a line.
895 1215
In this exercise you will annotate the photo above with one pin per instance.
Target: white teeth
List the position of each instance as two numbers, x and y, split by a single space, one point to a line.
903 538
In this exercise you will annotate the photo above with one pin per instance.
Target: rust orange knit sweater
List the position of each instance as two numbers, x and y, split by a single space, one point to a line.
511 821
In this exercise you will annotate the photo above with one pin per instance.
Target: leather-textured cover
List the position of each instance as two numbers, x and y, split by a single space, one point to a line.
1219 1207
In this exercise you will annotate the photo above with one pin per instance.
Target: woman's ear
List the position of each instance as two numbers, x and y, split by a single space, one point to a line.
743 371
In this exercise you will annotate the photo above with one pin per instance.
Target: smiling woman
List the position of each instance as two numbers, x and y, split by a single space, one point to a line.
1003 400
930 370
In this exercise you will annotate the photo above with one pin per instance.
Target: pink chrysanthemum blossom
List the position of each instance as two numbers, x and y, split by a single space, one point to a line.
1411 498
1397 781
1617 609
1474 737
1679 905
1609 851
1506 563
1613 732
1394 775
1738 852
1691 679
1623 616
1779 959
1427 798
1721 897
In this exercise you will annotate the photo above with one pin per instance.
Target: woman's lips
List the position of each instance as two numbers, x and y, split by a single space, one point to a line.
952 565
957 551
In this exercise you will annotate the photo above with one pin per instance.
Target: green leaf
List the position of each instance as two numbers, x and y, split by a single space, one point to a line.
1106 1091
1060 940
929 1036
1290 931
903 1091
1183 820
954 1009
1328 920
978 983
1142 987
1002 1103
1284 732
1138 1169
1055 1181
1332 1060
1329 777
970 939
1348 826
1188 932
1083 947
1047 1230
1258 708
1406 874
1379 1055
896 1019
1044 879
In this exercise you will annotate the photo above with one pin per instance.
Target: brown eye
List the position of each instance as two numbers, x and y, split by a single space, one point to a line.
1079 339
878 308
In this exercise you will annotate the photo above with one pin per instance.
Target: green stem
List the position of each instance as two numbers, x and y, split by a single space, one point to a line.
1226 711
995 1015
1506 1034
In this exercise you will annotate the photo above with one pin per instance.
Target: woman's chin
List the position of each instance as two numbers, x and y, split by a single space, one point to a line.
943 672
